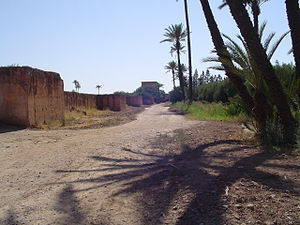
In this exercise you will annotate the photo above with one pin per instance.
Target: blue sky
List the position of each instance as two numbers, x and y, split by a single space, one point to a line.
113 43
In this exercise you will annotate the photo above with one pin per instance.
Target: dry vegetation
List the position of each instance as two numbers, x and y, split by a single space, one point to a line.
92 118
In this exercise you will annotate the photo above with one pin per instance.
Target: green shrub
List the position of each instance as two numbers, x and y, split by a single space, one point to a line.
205 111
219 91
236 106
175 95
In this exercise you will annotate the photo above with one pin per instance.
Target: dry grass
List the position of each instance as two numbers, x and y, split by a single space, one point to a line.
93 118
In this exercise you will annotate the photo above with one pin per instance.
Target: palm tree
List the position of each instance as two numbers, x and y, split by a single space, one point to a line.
176 34
293 14
189 50
259 56
241 57
248 70
184 69
171 67
98 88
224 56
77 85
255 8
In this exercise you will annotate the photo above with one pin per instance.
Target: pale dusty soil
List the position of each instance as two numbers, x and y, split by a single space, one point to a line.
64 177
158 169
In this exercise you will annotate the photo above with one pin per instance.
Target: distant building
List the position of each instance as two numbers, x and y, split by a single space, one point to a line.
150 84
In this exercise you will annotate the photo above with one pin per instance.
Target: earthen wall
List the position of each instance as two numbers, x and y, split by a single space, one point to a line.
30 97
136 101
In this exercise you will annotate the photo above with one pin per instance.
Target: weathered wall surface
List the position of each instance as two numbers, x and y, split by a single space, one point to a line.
135 101
30 97
148 101
119 102
77 100
102 102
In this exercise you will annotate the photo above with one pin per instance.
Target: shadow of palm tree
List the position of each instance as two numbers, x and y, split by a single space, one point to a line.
185 188
11 219
67 205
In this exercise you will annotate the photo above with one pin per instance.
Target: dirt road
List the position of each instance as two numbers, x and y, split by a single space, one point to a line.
80 176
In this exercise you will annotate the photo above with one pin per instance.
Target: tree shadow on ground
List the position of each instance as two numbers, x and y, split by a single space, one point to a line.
11 219
68 206
190 185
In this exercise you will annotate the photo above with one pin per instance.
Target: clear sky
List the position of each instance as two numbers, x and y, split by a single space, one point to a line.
113 43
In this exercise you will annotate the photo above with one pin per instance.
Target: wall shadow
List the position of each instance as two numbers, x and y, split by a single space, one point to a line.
4 128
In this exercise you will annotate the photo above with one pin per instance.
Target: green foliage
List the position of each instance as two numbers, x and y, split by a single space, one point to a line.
207 87
123 93
236 107
150 92
175 33
274 134
218 91
202 111
77 85
175 95
287 76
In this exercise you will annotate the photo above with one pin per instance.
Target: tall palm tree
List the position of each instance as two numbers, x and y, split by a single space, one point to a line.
255 8
259 56
184 71
293 14
98 88
186 10
77 85
241 57
177 34
171 67
248 70
224 55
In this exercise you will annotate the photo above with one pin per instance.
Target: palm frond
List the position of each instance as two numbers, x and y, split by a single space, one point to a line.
276 44
261 30
237 52
166 40
211 59
223 4
217 67
268 40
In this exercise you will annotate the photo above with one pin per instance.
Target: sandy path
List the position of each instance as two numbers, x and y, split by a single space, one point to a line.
74 176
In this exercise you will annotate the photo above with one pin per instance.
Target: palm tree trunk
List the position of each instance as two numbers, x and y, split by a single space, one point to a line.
173 73
189 51
293 14
259 55
255 12
180 75
224 55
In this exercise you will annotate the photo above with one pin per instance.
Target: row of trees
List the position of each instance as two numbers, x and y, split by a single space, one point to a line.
266 99
147 92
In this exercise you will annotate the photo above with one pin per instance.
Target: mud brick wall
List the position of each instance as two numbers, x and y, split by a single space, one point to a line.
78 100
102 102
148 101
112 102
30 97
136 101
119 102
